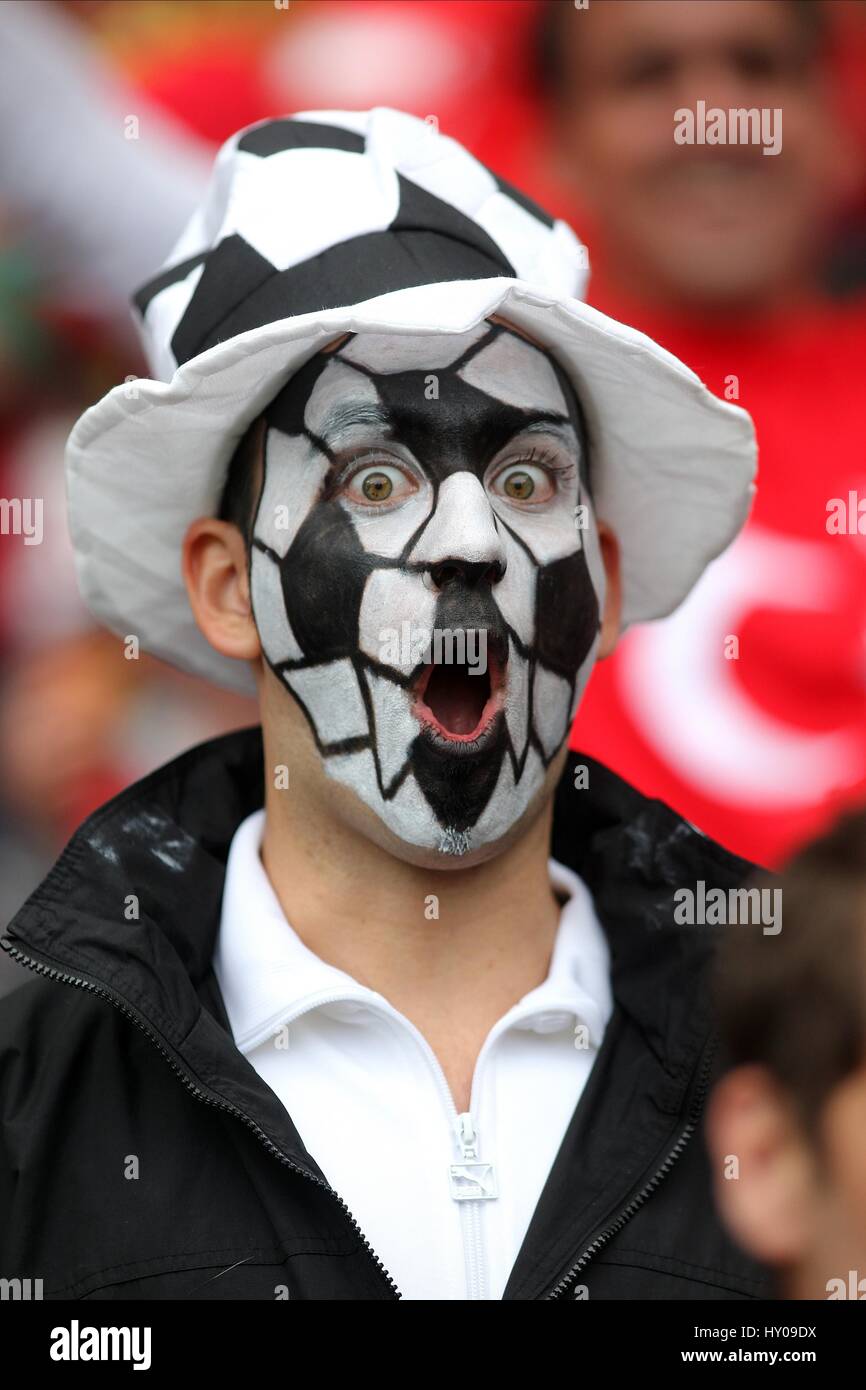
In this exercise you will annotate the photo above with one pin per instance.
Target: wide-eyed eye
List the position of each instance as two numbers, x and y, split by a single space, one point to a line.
524 482
379 483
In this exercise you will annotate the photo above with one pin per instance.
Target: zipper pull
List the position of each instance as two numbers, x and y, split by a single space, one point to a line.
466 1135
470 1180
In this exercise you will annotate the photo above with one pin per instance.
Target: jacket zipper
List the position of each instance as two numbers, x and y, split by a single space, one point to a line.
628 1211
463 1129
102 992
463 1132
470 1214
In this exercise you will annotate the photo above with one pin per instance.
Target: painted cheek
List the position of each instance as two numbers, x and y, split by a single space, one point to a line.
323 577
550 533
567 613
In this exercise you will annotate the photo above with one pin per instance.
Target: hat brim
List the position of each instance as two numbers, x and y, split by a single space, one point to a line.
673 466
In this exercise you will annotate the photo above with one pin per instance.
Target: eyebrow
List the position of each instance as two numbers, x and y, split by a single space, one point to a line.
549 424
350 414
560 426
347 414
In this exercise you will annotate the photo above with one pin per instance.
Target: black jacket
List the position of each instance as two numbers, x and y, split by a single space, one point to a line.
119 1049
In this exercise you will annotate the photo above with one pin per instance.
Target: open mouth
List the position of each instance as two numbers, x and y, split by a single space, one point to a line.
457 702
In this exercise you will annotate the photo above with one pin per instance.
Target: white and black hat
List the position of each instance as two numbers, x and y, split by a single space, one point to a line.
329 222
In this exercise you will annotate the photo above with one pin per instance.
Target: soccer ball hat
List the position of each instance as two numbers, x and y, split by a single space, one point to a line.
327 222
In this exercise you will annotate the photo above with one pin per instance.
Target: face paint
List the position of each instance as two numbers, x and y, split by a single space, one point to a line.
425 573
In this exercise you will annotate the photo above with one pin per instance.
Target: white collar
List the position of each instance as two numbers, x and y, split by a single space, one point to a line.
268 976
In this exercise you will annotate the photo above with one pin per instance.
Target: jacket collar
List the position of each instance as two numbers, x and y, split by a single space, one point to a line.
133 905
267 974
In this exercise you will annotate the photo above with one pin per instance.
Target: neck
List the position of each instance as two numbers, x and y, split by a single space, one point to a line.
373 915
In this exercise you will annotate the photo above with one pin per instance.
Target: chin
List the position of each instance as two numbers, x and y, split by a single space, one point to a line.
429 845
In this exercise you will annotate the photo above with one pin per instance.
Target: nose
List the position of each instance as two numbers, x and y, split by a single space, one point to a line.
466 573
460 543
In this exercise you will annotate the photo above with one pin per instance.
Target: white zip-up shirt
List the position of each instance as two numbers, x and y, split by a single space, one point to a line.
445 1200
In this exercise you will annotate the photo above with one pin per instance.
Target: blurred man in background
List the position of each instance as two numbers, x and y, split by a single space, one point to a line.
787 1125
716 230
716 250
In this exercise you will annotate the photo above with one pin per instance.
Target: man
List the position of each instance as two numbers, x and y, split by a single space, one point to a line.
716 250
787 1124
713 216
411 1012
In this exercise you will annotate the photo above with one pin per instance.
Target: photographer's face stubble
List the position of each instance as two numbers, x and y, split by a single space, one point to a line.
420 579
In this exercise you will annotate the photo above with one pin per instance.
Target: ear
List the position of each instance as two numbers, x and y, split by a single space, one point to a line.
214 566
610 619
766 1197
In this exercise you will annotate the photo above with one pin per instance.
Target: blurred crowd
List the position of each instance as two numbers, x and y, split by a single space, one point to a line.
749 266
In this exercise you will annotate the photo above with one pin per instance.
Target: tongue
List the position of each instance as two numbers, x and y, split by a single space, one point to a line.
456 698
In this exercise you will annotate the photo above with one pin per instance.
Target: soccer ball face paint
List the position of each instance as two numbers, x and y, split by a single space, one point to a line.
426 576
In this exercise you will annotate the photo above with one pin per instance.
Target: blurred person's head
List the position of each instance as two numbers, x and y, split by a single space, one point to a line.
786 1123
715 228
